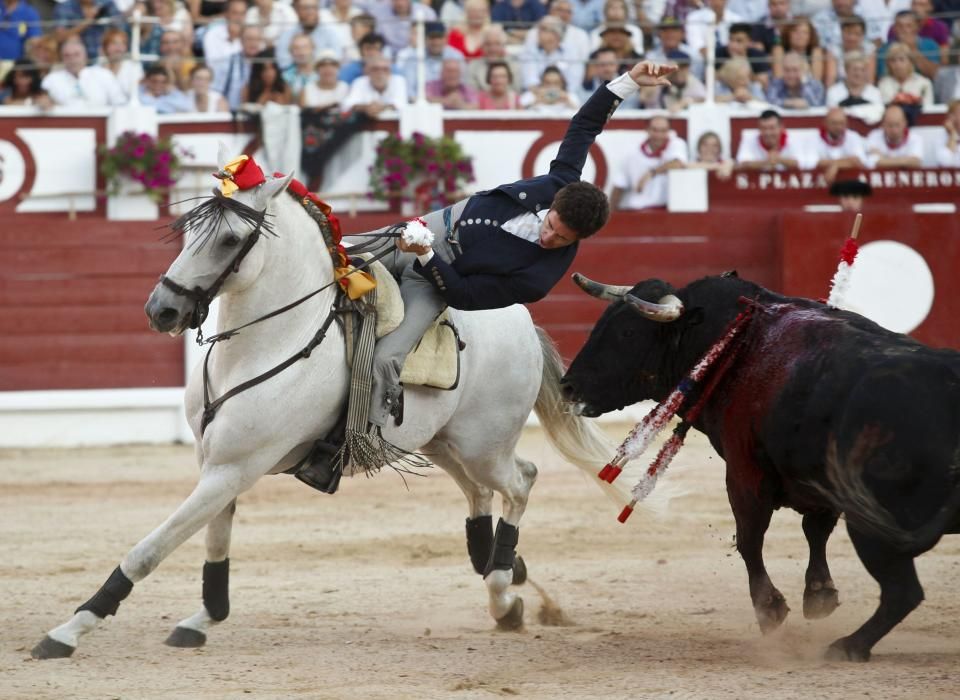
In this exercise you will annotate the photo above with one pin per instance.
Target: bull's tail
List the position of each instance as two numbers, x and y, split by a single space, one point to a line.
850 495
578 439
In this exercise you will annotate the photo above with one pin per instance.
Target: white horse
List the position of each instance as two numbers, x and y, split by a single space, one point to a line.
471 432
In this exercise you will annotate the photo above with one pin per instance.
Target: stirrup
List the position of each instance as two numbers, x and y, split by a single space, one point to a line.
322 470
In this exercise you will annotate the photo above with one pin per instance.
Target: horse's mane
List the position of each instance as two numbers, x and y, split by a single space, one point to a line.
206 218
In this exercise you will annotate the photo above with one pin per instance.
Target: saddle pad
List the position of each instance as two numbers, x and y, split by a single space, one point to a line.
434 360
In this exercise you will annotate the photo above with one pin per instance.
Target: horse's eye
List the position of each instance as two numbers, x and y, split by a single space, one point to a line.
231 241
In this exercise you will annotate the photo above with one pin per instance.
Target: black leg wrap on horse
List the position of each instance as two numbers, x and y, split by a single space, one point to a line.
216 589
504 547
111 594
480 541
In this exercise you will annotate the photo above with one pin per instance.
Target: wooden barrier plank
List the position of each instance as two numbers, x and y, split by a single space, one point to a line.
112 348
85 374
100 319
56 290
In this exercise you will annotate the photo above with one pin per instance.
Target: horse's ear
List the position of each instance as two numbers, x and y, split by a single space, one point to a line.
270 189
223 155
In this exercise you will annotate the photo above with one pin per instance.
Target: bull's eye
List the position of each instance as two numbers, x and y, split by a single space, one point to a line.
231 241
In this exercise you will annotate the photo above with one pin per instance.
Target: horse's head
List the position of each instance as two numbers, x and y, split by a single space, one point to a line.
219 255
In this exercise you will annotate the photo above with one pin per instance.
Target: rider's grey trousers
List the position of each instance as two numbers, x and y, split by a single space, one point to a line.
421 306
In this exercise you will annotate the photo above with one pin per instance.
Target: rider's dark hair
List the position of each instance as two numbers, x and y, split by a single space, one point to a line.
583 207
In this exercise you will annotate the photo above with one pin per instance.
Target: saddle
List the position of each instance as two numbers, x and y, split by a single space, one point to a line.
435 360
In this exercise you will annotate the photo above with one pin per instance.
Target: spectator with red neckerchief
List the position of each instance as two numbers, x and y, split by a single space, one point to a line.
641 180
771 149
838 147
892 145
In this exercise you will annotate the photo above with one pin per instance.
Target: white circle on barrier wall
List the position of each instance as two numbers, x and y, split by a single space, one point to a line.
541 164
891 284
13 170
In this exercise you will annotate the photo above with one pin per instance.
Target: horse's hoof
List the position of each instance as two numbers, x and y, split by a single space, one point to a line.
513 620
819 603
519 571
186 638
843 650
773 613
50 648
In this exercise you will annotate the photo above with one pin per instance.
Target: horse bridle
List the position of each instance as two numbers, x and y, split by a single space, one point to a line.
202 298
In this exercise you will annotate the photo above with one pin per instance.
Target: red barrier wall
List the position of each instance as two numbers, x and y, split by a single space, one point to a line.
72 292
71 305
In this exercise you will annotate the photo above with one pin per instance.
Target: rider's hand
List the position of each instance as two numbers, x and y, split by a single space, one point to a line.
410 248
650 73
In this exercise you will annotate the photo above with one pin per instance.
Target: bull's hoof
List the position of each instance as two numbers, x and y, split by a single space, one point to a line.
513 620
772 613
519 571
845 650
186 638
819 602
50 648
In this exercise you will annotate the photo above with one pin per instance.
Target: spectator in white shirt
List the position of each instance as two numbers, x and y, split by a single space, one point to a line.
80 85
114 49
551 96
949 155
615 14
902 83
771 149
377 91
548 51
700 24
336 17
641 180
892 145
574 41
222 39
274 18
308 16
202 98
327 90
838 147
855 88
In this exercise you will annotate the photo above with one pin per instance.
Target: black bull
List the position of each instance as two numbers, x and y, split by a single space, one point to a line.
822 411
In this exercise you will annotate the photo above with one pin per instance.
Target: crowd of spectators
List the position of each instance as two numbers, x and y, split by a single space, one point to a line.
359 57
640 179
543 56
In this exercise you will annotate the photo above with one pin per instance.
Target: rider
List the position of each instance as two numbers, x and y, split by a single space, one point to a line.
509 245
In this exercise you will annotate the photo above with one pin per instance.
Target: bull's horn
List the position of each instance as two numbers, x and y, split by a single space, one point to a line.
667 309
609 292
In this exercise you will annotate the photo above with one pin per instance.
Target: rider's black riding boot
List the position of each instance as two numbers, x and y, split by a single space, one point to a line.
322 468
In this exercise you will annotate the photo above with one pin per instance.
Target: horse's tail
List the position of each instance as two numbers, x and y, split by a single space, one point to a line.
578 439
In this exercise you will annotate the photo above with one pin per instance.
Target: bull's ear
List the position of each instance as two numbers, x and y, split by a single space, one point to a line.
730 273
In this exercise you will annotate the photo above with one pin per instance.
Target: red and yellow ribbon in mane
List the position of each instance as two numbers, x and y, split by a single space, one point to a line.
241 173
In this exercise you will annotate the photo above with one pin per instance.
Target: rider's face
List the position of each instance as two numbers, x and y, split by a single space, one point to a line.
554 233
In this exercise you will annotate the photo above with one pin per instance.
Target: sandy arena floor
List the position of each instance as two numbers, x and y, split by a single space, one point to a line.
369 593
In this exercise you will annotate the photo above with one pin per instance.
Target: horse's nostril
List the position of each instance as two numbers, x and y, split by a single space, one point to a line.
168 316
566 389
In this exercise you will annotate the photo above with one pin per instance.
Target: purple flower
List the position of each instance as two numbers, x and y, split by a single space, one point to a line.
139 152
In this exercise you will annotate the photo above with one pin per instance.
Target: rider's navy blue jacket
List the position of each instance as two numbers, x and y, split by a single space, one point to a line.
495 268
